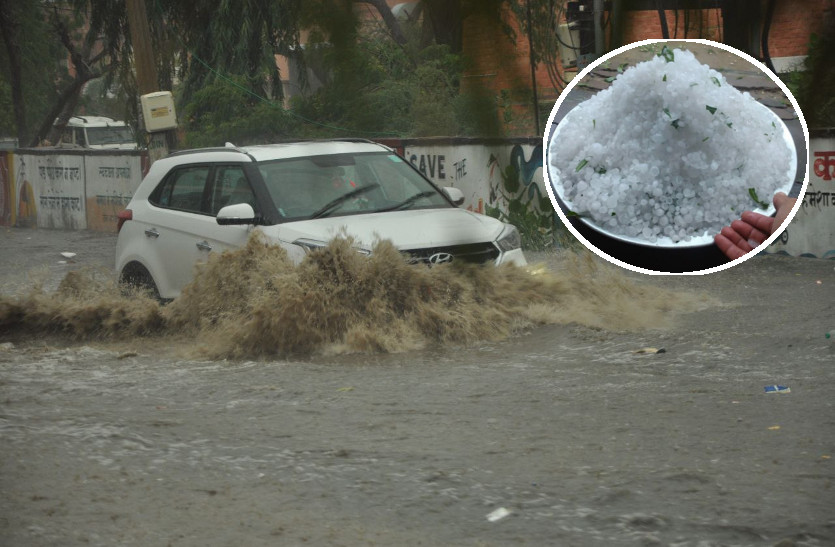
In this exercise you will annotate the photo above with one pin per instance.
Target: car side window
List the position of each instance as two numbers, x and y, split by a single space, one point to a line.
183 189
231 187
66 135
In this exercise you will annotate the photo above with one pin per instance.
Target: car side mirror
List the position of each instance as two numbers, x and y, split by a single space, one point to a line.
237 214
455 195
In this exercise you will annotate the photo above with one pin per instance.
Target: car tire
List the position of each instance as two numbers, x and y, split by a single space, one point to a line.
136 277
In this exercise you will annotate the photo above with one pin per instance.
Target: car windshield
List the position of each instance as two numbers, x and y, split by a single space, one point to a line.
346 184
110 135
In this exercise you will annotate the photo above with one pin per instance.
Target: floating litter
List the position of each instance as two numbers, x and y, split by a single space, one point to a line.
498 514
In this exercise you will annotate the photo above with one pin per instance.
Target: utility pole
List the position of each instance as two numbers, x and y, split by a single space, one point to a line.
143 52
146 71
599 37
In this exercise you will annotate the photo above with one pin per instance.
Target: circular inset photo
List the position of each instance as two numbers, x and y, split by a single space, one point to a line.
658 146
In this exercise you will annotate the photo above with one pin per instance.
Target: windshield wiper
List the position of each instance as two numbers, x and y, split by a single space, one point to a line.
332 205
406 203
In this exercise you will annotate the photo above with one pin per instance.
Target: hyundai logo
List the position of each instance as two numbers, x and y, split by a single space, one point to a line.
440 258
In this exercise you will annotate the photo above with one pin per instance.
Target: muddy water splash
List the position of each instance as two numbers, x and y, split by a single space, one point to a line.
85 305
254 302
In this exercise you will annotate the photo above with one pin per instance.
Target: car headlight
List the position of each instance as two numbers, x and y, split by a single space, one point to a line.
312 244
509 239
309 244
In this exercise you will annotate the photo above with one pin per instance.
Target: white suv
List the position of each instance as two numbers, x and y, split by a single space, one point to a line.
299 195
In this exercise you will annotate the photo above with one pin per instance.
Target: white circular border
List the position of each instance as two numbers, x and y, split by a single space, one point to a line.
550 189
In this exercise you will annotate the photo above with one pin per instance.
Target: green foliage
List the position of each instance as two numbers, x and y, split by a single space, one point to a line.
381 88
476 113
7 121
221 37
222 112
814 87
41 66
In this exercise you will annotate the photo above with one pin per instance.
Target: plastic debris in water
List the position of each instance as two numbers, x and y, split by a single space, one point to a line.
644 351
777 389
498 514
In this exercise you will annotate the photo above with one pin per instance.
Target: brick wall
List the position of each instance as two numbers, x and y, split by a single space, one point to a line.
646 25
794 22
502 67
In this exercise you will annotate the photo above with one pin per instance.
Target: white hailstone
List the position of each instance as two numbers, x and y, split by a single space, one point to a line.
674 147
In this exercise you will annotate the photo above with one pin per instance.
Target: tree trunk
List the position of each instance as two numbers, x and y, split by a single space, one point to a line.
9 26
68 99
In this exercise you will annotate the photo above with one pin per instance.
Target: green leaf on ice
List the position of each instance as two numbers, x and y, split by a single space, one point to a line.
753 193
667 53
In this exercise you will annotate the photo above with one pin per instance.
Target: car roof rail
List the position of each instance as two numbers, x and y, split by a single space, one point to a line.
208 149
351 139
359 140
233 148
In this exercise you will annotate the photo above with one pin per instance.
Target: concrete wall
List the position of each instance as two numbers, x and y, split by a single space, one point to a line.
77 191
812 231
67 189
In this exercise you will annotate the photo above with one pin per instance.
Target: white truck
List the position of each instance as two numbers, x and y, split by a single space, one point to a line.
99 133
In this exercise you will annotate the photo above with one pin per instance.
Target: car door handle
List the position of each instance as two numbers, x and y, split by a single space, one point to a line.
152 232
204 246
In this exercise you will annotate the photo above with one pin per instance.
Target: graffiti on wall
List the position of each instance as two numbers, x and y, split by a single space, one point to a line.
812 230
819 199
431 165
27 208
825 164
459 169
51 191
518 198
111 182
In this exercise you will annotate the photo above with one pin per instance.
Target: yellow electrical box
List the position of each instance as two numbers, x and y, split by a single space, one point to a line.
569 43
158 111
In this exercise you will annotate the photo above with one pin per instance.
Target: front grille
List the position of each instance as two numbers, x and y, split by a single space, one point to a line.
474 253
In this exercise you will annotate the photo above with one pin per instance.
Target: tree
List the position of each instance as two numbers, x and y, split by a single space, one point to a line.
90 59
538 20
27 67
10 26
49 32
222 37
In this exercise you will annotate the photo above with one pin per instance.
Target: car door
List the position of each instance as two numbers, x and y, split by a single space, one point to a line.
177 221
229 186
182 223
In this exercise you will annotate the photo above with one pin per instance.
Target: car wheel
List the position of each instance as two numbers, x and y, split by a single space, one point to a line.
136 277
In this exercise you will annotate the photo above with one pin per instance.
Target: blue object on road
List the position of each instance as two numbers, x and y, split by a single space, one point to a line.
777 389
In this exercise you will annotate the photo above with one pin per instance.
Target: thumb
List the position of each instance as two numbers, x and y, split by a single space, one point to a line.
780 198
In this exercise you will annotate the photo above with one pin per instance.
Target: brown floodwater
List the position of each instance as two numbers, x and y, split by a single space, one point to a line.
361 401
253 302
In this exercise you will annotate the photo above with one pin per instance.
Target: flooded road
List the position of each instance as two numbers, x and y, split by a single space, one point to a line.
562 434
